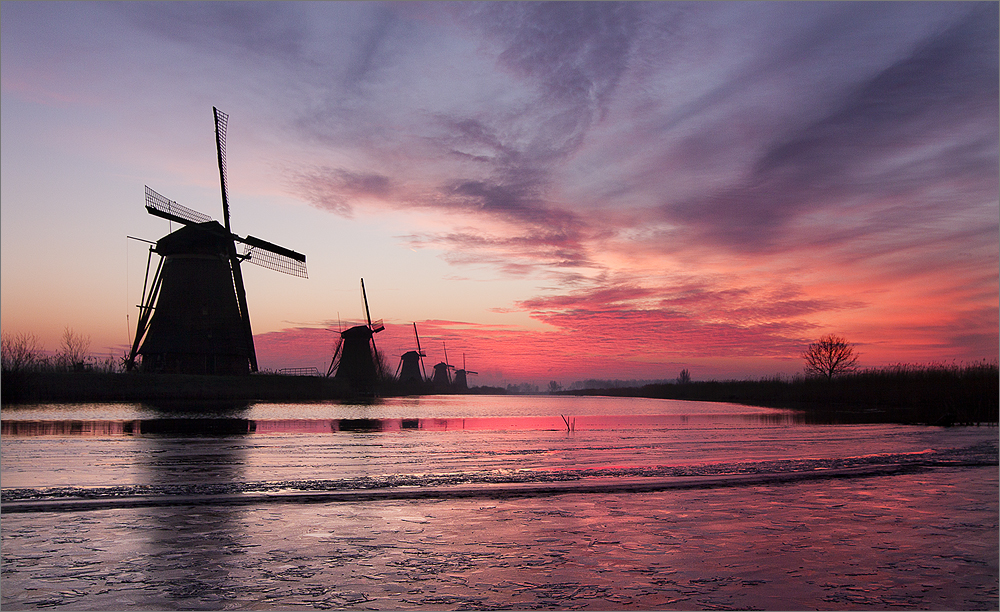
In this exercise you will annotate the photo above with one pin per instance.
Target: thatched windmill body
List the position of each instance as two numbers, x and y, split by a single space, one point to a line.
411 364
356 360
442 373
194 318
460 381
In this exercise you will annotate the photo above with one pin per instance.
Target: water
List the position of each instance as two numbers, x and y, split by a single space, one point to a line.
459 502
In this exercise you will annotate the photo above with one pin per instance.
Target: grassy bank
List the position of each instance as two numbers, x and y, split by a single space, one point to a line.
43 387
941 395
944 395
55 386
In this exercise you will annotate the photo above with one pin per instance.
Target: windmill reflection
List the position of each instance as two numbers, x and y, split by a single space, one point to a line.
195 550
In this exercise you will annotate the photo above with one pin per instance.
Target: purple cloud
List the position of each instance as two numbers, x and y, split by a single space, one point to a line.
937 105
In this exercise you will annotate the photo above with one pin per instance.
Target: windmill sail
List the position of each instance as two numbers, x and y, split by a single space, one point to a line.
420 351
172 211
273 257
221 124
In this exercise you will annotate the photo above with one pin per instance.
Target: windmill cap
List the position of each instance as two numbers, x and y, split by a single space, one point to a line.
208 238
358 331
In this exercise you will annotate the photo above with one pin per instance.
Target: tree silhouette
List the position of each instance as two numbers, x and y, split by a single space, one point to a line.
74 349
830 356
19 352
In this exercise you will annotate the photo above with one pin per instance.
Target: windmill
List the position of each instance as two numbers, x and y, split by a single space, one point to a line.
408 370
442 372
356 360
194 317
460 381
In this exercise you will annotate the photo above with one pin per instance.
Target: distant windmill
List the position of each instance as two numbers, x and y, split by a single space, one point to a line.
460 381
194 318
442 372
412 363
356 360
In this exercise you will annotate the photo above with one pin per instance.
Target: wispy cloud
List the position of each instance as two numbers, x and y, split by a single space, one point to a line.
927 118
700 179
891 158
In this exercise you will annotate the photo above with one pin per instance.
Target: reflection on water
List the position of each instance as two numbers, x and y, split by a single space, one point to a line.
922 538
226 426
424 407
434 413
168 427
199 548
454 438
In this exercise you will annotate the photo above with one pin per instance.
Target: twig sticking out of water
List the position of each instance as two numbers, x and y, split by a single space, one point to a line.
570 426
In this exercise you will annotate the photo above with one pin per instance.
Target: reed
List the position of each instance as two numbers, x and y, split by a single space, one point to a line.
936 394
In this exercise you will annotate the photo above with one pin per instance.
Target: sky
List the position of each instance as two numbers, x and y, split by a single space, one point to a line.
549 191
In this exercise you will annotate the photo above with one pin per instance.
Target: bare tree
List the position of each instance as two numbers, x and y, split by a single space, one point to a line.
830 356
684 377
19 351
74 349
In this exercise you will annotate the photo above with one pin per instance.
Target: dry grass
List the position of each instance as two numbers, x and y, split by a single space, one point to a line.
935 394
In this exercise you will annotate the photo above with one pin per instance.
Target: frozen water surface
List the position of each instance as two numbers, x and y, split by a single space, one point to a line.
888 516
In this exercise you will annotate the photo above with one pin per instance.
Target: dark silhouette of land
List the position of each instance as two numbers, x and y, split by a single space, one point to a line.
45 386
933 395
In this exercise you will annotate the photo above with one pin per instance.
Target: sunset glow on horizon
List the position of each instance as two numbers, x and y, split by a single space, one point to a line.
555 191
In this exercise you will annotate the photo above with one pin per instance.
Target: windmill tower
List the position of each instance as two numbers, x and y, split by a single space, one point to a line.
461 383
356 360
411 364
442 373
193 318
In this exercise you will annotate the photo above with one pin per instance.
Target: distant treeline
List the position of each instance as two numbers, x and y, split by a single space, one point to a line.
593 383
934 394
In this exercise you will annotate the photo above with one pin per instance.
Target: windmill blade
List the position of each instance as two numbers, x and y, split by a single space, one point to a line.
420 352
166 208
273 257
375 326
364 296
335 362
221 123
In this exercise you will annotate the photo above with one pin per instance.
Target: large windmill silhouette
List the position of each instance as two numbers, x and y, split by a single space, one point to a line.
193 318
